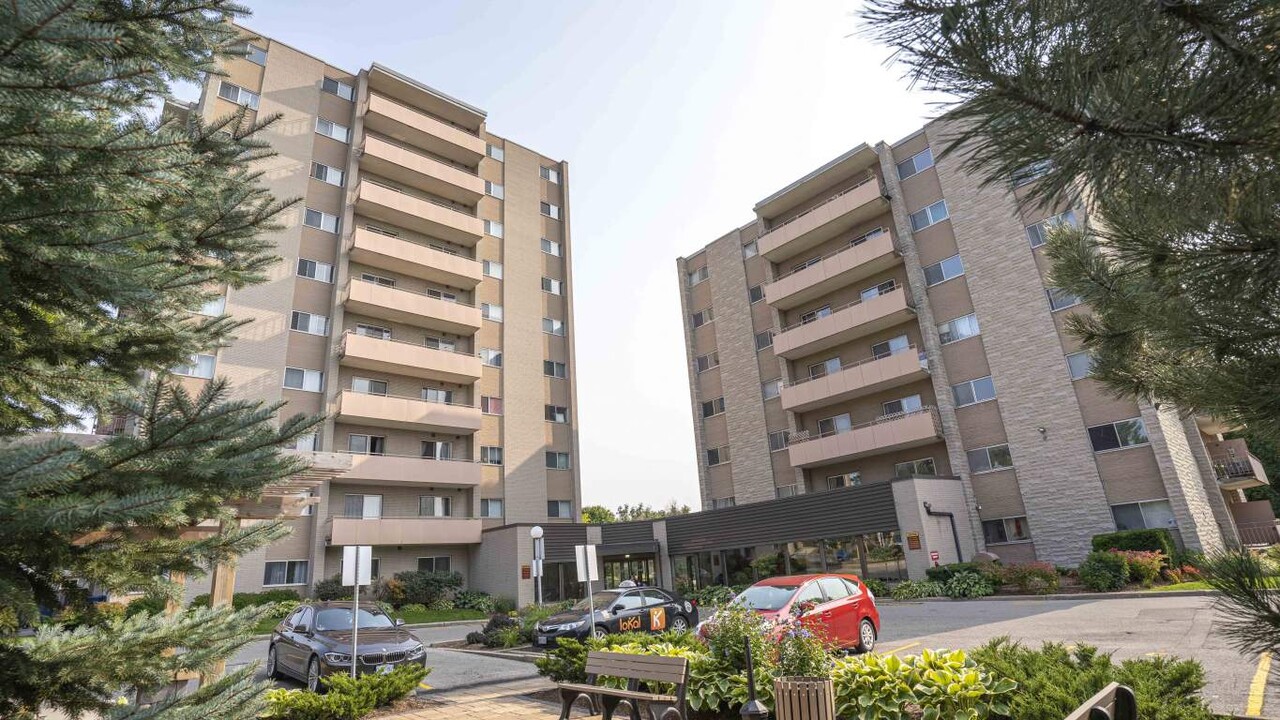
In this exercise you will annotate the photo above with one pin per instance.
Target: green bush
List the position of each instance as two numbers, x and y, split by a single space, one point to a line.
1104 571
332 589
240 601
504 605
968 585
1153 539
567 661
150 604
944 573
1144 565
413 608
441 603
474 600
426 588
1055 680
941 684
346 698
916 589
507 636
1032 577
877 587
712 596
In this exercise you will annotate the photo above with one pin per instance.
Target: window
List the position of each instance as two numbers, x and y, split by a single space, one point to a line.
702 317
1038 233
201 366
887 286
550 368
367 507
1005 530
915 164
549 174
717 456
309 323
703 363
492 269
972 392
750 250
1061 299
559 509
712 407
553 286
214 307
437 395
377 280
784 491
437 449
1144 515
491 312
336 87
698 276
908 404
493 189
552 326
892 346
551 247
324 173
825 368
931 215
300 379
551 211
771 388
962 327
442 295
491 357
778 440
824 311
490 508
558 460
490 405
724 502
490 455
835 425
331 129
1032 172
315 270
366 444
238 95
285 572
320 220
995 457
494 152
306 442
437 564
493 227
435 506
255 54
764 340
557 414
1119 434
368 387
373 331
943 270
755 294
1080 365
873 233
852 479
923 467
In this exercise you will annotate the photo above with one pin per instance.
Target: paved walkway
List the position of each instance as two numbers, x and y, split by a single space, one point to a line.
489 702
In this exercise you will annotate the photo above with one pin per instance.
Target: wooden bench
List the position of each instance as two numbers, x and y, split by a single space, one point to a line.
635 669
1113 702
804 698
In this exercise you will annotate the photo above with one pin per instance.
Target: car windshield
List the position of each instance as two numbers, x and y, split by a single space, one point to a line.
603 601
766 597
340 619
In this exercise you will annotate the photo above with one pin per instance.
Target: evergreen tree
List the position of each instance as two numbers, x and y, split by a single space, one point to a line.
1166 117
114 226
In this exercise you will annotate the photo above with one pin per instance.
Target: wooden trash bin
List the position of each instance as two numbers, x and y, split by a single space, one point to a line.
804 698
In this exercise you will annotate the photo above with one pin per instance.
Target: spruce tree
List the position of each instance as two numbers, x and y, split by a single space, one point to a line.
1165 116
115 225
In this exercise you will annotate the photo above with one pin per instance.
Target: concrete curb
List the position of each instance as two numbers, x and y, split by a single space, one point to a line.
414 626
1065 596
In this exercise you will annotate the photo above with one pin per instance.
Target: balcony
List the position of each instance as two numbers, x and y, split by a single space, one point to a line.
833 271
838 214
410 308
406 413
417 213
882 435
376 248
404 165
852 321
1235 467
856 380
404 531
409 359
408 125
409 469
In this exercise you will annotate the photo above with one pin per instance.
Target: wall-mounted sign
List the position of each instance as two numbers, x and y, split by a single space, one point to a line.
913 541
933 555
526 572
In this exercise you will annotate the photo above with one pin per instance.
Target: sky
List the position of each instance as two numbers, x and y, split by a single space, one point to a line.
675 117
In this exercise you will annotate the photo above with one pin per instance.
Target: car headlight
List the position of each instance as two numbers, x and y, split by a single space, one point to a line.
573 625
416 652
337 658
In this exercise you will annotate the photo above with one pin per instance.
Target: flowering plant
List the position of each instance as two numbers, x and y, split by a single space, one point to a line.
802 607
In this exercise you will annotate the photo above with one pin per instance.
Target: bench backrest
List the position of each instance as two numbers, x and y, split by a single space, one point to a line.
655 668
1113 702
802 698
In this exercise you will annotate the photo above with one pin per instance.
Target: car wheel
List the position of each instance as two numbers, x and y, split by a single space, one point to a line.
866 636
600 631
313 674
273 672
679 623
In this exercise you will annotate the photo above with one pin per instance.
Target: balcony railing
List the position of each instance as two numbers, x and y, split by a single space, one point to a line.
429 114
1228 469
423 152
803 435
410 397
870 177
1258 534
402 342
814 261
462 209
402 455
924 364
397 288
846 306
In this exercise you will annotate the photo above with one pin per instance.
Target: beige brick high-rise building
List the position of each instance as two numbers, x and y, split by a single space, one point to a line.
423 303
887 317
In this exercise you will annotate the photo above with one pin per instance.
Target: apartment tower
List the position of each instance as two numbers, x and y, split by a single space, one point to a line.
886 317
422 303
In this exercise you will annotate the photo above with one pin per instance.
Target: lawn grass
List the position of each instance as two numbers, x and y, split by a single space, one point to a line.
1191 585
266 625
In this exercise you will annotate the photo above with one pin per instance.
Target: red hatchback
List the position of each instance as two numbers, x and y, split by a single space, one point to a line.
836 607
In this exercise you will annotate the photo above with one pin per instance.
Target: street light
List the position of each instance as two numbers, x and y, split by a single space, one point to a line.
535 532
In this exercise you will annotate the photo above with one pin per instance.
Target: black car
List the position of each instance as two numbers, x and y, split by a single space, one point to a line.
640 609
315 640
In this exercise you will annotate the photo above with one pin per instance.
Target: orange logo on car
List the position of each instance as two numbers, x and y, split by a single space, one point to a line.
627 624
657 619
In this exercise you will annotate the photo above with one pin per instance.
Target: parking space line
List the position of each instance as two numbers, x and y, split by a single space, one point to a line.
1258 688
904 647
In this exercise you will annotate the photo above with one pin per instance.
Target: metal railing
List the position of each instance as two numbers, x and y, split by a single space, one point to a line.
924 365
835 310
460 209
413 240
455 301
342 348
803 435
422 152
410 397
1258 534
344 516
1230 469
814 261
392 455
870 176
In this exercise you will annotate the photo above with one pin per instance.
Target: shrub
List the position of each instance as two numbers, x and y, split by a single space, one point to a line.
941 684
389 591
567 662
1104 571
1144 565
441 603
968 585
332 589
346 698
943 573
240 601
1033 577
916 589
489 635
150 604
474 600
713 595
1153 539
877 587
504 605
425 588
413 608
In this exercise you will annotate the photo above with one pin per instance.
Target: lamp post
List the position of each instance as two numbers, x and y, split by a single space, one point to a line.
535 532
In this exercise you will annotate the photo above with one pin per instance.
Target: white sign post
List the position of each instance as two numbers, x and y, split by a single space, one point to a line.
588 571
357 570
535 532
